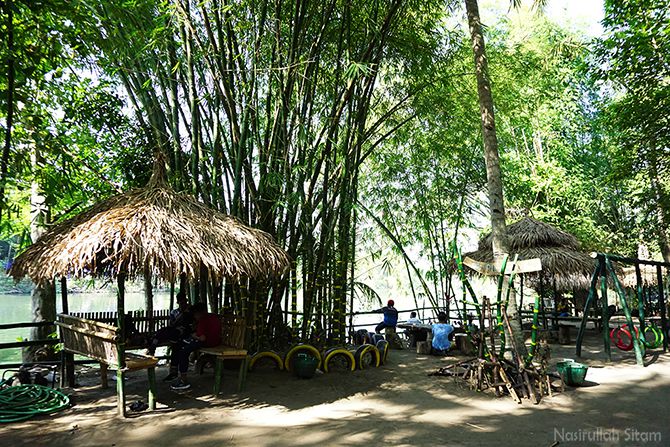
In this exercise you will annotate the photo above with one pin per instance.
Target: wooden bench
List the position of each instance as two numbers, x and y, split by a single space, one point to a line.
102 342
233 331
144 322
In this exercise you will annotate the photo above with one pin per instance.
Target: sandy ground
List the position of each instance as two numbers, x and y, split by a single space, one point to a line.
397 404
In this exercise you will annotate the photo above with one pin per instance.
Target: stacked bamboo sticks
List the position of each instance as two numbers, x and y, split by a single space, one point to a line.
519 375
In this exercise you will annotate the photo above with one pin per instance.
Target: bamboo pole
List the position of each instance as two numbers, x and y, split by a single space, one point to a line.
499 306
661 300
533 331
636 341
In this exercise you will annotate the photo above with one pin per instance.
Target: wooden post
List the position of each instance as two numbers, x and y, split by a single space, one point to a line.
661 300
606 319
148 298
104 383
555 322
521 300
542 309
67 359
203 279
171 294
151 373
121 345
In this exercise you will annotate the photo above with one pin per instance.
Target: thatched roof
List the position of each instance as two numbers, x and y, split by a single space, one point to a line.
647 272
559 252
155 227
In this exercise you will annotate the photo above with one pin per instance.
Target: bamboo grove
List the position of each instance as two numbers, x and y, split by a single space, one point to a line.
267 111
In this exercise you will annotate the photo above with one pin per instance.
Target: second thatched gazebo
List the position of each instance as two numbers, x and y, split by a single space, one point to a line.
563 263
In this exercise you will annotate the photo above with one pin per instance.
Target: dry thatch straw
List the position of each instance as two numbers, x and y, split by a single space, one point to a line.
648 276
562 261
154 227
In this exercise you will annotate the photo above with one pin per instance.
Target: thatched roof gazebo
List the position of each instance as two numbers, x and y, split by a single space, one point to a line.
153 230
563 263
150 231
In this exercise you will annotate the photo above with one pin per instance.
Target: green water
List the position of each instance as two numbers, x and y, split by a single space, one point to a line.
16 309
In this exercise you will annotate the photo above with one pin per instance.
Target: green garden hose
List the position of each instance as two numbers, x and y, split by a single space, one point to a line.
18 403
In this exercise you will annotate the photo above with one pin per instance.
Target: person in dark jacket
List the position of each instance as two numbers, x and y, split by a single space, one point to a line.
179 326
390 316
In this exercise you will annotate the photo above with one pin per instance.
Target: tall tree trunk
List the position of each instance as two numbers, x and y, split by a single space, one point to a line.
492 157
43 295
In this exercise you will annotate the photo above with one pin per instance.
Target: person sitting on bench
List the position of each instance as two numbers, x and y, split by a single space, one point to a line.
390 317
179 326
413 319
207 334
441 331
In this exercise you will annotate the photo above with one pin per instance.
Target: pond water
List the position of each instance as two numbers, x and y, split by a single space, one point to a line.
15 308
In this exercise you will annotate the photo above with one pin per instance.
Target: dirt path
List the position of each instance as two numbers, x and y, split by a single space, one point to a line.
394 405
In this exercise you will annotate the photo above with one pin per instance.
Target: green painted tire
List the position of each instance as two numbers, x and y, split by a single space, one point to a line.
658 337
263 355
334 353
303 347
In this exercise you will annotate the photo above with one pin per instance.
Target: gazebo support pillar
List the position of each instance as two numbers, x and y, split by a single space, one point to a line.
171 295
67 359
121 345
521 300
544 314
149 298
554 322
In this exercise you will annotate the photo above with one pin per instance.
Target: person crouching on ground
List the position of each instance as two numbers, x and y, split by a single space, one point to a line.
441 331
390 317
207 334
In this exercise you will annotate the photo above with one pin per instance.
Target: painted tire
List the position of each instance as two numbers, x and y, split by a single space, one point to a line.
367 351
383 348
288 364
341 353
617 336
263 355
658 337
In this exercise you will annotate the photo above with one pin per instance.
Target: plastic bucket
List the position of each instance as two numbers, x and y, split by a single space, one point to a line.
576 374
304 365
562 366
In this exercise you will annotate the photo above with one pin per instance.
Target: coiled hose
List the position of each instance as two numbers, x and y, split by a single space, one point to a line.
18 403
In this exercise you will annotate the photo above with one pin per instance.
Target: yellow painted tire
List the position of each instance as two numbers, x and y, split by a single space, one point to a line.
338 352
362 352
301 348
279 362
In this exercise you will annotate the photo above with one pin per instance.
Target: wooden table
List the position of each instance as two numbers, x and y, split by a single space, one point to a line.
416 332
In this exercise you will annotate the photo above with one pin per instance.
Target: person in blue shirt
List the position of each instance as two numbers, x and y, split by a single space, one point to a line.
390 316
441 331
